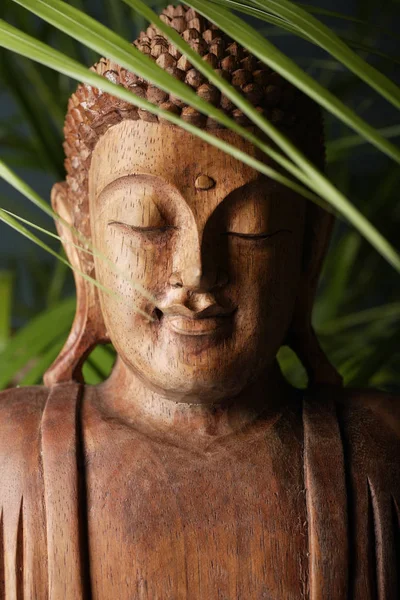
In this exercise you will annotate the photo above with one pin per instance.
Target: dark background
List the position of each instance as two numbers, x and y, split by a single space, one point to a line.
355 280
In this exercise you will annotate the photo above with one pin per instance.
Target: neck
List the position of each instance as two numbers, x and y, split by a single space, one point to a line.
128 398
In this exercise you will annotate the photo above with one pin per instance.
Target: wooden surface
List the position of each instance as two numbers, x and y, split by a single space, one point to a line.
167 516
91 114
195 472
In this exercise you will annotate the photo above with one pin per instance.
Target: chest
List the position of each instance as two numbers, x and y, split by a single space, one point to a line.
229 523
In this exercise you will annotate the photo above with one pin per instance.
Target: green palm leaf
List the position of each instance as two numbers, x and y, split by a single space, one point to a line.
10 220
21 43
316 10
248 9
355 278
34 374
35 338
6 291
325 38
17 41
100 38
13 219
86 245
336 148
270 55
364 317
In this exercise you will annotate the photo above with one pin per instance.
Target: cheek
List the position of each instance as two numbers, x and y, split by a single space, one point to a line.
137 263
265 280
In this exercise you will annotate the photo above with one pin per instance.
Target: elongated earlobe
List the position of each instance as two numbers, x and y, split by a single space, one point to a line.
319 370
301 337
88 328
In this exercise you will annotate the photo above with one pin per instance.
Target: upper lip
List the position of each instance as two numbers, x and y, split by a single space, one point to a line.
179 310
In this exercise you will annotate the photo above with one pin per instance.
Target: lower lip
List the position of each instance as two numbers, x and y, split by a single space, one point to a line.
206 326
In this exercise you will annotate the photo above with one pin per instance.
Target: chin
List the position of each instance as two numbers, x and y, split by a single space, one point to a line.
199 385
201 369
204 392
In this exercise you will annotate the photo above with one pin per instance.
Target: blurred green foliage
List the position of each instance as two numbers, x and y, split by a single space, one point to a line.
357 313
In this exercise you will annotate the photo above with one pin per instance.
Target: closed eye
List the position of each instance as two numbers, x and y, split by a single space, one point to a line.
135 228
256 236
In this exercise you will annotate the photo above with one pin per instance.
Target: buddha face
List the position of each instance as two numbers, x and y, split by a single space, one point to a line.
217 247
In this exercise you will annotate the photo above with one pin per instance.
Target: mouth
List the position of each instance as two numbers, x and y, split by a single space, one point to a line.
204 326
196 324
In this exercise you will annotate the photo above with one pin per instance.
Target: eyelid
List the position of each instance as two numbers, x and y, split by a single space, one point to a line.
159 229
256 236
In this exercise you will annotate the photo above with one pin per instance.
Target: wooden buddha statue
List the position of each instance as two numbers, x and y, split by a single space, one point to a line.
195 472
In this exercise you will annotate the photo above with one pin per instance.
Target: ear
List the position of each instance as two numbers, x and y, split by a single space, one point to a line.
88 328
301 336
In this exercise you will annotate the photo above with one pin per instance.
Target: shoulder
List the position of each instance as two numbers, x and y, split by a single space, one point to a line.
370 410
364 425
368 421
21 411
22 406
370 427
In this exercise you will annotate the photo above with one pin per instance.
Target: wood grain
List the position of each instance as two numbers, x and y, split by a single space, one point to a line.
195 472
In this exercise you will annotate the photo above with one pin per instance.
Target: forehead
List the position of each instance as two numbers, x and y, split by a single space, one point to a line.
171 154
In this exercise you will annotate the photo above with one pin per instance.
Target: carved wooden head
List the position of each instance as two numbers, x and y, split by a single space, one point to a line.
206 235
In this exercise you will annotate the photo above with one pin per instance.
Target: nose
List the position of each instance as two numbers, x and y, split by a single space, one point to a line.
199 272
193 279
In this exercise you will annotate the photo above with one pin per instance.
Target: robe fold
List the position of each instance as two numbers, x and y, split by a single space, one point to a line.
351 450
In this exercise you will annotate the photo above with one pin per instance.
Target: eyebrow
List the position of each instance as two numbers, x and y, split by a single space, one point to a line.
136 177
